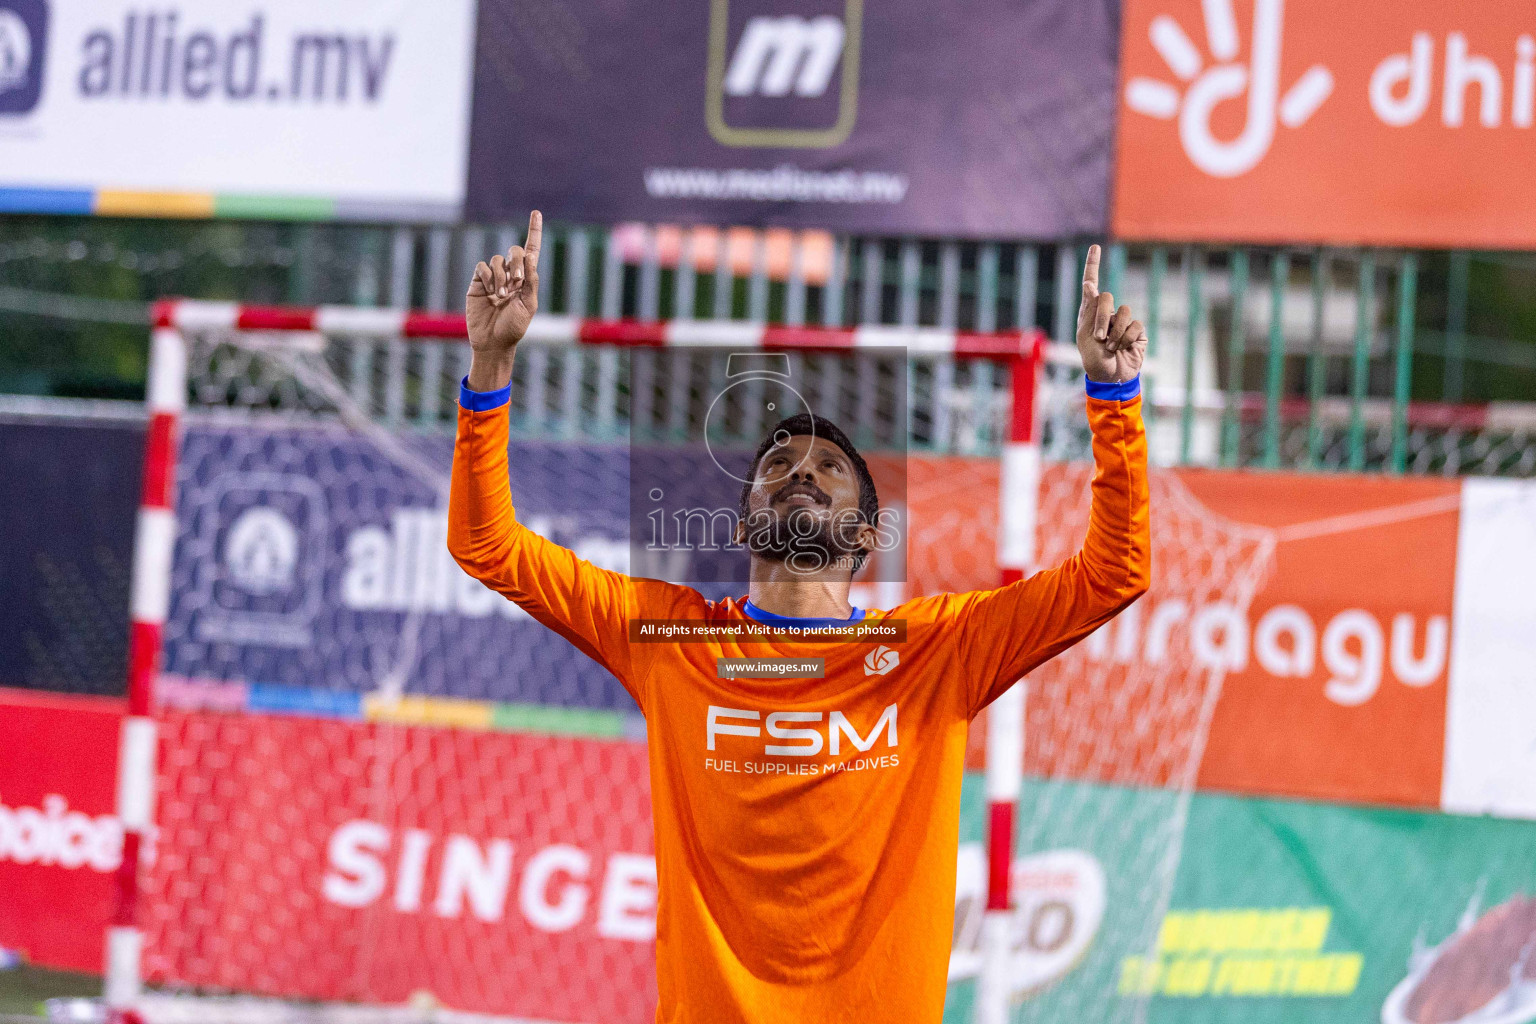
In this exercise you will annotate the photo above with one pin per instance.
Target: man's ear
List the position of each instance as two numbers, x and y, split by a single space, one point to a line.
741 531
867 538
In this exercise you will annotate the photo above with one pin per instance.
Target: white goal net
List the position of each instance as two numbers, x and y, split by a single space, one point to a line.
382 785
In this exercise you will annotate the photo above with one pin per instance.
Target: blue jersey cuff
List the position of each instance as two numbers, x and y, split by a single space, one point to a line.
1114 392
480 401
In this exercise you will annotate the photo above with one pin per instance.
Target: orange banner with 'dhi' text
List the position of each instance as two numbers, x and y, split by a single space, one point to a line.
1316 121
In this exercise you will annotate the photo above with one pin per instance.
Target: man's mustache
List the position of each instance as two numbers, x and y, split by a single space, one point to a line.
790 490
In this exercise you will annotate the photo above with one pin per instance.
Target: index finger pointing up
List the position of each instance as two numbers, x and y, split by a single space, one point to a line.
1091 268
535 238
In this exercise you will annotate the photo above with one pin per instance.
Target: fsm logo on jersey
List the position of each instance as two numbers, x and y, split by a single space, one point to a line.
23 46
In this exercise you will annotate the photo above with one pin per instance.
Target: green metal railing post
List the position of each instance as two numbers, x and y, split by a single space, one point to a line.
1114 271
1316 381
1155 297
1274 376
1156 271
986 288
1407 299
1192 260
1231 412
1069 289
1360 370
1456 325
1026 286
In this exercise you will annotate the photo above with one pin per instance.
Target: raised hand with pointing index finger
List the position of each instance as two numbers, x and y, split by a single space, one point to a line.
1110 341
502 298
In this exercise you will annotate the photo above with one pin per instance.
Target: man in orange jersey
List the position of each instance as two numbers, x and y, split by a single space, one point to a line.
806 824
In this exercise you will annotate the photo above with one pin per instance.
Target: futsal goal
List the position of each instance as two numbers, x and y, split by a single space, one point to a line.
357 784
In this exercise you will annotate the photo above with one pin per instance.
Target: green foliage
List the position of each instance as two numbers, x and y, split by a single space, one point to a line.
139 261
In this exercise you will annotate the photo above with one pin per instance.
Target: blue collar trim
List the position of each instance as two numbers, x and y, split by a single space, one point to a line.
754 612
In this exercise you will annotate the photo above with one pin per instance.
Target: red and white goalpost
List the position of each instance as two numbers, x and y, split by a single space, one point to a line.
1018 516
175 322
149 600
343 322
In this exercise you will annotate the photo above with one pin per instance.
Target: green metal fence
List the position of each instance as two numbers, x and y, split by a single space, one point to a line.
1307 359
1314 359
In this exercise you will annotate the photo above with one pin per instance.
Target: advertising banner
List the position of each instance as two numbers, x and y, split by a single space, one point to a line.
353 108
831 114
1337 676
312 567
1382 659
1278 912
381 782
513 873
1319 122
297 590
1404 918
1490 733
508 873
60 841
71 492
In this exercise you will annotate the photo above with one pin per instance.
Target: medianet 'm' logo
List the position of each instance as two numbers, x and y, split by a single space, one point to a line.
23 42
880 661
779 79
1227 79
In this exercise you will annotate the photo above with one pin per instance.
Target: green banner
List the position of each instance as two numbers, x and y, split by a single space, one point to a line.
1137 905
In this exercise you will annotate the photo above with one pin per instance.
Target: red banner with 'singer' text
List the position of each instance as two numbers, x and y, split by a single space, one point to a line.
330 860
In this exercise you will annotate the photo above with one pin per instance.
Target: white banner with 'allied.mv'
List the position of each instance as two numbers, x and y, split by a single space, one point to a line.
347 108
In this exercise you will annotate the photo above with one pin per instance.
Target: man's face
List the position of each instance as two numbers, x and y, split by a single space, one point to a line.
803 507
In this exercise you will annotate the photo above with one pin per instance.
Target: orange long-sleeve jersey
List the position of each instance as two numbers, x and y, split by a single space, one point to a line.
806 829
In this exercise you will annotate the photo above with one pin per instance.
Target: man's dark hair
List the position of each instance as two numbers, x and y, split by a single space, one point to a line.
819 426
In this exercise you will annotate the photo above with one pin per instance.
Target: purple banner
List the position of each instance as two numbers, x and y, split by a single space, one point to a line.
313 559
984 118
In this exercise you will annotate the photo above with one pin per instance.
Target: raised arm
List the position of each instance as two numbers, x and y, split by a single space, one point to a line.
590 607
1006 632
